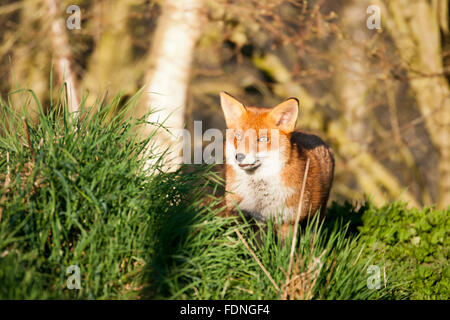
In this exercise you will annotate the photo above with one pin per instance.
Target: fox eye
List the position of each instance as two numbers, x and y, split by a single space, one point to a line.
238 137
263 139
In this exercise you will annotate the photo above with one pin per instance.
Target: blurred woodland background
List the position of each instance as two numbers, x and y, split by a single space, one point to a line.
380 98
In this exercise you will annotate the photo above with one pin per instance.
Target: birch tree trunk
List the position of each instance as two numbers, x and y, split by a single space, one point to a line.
62 54
171 55
414 27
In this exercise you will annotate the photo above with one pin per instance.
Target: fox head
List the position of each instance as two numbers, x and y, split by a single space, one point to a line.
258 137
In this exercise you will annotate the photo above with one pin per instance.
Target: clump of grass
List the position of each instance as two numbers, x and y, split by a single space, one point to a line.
215 263
75 192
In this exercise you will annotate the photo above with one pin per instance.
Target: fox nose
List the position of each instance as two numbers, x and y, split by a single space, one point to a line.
240 157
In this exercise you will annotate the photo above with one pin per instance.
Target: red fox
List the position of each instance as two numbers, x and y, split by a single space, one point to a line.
265 163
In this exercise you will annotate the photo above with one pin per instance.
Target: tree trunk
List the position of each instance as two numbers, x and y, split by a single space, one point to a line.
30 57
113 51
177 32
414 27
62 55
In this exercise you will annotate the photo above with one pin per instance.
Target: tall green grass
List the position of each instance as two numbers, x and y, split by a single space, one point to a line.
77 194
213 263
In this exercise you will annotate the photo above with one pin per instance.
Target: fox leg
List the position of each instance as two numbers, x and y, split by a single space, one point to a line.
231 201
284 230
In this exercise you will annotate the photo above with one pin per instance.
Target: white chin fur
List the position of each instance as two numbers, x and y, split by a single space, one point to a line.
262 189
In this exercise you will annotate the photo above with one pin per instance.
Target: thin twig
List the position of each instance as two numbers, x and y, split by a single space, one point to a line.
317 262
329 275
297 219
27 133
246 290
303 283
359 254
256 258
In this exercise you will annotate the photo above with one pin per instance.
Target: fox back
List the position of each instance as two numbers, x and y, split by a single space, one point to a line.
266 160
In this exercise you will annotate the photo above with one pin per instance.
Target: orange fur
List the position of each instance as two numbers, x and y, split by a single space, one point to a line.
273 179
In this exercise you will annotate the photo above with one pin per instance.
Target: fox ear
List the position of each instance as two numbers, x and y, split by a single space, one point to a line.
285 115
232 108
